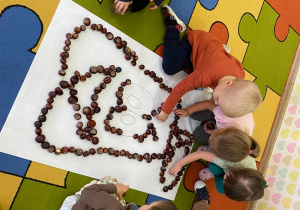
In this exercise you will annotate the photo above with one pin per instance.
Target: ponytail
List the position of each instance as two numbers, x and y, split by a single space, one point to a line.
255 148
232 144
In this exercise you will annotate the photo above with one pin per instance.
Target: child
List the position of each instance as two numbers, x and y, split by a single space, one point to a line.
230 148
201 133
212 67
136 5
244 184
107 194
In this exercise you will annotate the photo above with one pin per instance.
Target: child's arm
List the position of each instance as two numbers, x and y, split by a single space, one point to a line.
199 106
207 156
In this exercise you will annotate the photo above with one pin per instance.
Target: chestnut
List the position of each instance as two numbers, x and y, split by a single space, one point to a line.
100 150
153 113
93 69
62 72
119 94
68 42
162 180
46 145
78 152
99 27
77 116
107 80
77 29
86 110
93 26
72 149
76 107
119 131
69 36
94 97
86 153
95 140
165 189
83 28
118 69
113 73
64 150
133 63
104 30
140 158
118 40
91 124
109 35
92 151
100 69
127 57
72 99
118 109
87 21
64 84
75 35
107 71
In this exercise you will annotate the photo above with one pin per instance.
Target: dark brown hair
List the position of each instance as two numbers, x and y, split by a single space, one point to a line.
163 205
233 145
244 184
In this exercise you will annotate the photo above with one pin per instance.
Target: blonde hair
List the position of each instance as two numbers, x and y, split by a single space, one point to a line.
244 184
163 205
243 97
233 145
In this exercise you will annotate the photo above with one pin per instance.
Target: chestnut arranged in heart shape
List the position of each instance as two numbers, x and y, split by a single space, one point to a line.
88 131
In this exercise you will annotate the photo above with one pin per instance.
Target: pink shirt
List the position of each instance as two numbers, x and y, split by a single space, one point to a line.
245 123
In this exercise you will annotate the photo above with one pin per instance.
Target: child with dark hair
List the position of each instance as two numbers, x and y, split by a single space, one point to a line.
230 148
244 184
136 5
107 193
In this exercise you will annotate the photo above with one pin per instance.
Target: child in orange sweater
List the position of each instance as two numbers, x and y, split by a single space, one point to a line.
212 67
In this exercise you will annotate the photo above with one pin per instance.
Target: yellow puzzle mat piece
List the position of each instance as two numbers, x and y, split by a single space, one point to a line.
9 185
230 16
47 174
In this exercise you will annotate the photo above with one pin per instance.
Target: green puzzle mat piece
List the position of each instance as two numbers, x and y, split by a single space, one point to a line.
268 59
149 22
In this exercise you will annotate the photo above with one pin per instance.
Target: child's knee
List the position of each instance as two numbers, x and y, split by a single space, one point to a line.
168 69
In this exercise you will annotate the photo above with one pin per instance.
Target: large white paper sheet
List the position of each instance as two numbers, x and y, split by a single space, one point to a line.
143 95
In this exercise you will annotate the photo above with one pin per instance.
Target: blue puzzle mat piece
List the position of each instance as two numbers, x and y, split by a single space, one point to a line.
152 198
189 6
186 14
209 4
20 32
13 165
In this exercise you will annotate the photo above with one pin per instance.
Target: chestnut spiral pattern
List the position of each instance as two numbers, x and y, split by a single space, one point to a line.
88 131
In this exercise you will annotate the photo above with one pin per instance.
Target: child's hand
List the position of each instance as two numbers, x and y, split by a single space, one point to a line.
121 190
181 112
122 6
153 6
162 117
175 169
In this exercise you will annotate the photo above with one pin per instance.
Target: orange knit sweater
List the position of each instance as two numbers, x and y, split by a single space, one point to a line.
211 63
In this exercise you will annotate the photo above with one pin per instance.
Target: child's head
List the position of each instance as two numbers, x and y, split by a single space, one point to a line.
237 97
233 145
244 184
159 205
